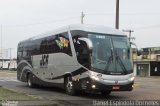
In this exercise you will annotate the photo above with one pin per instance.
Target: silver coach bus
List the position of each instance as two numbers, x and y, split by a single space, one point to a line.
77 57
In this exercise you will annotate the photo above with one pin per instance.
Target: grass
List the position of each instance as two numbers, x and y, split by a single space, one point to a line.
6 95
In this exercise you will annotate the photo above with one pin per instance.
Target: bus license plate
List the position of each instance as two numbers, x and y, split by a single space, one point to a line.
115 87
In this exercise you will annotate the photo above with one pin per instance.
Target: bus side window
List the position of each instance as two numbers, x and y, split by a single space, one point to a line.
64 38
81 52
56 44
20 50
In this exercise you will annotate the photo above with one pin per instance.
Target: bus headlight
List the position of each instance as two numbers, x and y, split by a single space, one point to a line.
93 86
94 77
132 78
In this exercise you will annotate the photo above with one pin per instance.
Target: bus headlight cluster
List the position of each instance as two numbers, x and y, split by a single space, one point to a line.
94 77
93 86
132 78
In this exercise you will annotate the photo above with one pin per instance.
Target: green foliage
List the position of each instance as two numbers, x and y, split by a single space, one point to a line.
6 95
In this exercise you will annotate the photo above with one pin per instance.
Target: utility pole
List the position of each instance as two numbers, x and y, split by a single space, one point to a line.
130 32
10 49
1 40
1 49
82 17
117 14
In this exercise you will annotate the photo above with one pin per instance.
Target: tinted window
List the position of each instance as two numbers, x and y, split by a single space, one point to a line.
53 44
33 47
56 44
63 43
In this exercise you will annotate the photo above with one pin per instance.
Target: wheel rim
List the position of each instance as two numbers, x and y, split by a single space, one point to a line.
69 86
29 82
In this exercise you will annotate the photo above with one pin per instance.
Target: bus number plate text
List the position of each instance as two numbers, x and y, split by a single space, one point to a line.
115 87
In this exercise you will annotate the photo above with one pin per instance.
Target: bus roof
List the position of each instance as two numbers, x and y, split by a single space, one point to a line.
96 28
83 27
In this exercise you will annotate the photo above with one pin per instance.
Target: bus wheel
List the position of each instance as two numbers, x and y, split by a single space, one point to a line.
105 92
69 86
29 81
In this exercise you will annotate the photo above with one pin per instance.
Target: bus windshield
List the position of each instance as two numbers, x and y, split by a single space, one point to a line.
110 54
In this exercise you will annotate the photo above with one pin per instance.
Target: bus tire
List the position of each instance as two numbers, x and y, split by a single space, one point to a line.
69 87
29 81
105 92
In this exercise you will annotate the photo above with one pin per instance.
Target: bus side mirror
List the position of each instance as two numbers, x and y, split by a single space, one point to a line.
88 43
139 52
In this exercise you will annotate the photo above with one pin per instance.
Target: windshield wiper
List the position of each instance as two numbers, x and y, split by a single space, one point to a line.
118 59
121 64
108 62
100 61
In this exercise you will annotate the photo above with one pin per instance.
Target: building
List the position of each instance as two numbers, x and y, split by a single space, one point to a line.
6 63
6 60
147 64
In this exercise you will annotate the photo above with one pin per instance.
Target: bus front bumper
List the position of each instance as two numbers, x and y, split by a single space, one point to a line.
102 87
93 85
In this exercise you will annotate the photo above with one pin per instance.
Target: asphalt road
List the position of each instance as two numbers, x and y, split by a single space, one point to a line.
145 89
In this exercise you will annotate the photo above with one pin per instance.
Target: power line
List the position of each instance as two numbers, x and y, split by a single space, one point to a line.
82 19
147 27
122 14
130 32
47 22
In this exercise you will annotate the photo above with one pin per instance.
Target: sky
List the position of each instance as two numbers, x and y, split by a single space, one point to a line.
22 19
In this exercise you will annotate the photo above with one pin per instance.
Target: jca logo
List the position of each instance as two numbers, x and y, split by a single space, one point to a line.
44 61
62 42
